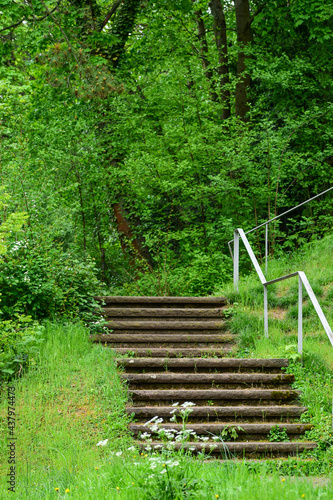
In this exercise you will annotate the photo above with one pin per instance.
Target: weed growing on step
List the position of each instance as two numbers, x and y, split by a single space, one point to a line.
230 432
276 434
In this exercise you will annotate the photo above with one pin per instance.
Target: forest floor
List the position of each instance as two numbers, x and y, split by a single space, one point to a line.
72 398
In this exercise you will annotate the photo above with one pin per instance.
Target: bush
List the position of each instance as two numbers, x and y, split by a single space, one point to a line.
38 278
19 345
202 275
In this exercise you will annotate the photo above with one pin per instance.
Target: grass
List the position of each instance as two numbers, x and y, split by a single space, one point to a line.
72 398
65 404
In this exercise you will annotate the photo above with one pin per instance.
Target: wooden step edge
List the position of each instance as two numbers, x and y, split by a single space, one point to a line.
160 312
143 338
169 331
203 362
173 352
166 325
217 427
201 378
211 394
160 300
219 411
236 447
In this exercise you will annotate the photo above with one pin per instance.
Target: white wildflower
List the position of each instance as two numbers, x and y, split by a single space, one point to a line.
131 448
151 420
119 453
175 404
145 435
103 443
174 464
163 471
187 404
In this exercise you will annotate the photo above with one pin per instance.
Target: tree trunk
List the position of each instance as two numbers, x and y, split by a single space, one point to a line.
220 32
244 37
82 212
204 53
130 243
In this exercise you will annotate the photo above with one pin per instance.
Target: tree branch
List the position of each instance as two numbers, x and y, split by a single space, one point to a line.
110 13
257 12
49 12
13 25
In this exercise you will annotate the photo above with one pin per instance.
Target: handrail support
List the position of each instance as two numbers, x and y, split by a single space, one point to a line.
236 260
265 311
300 316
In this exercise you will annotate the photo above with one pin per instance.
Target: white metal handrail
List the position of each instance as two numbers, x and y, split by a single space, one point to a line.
277 217
302 280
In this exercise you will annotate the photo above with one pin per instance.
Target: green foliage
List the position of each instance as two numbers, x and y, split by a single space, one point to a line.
12 225
20 340
168 276
278 434
230 432
96 118
38 278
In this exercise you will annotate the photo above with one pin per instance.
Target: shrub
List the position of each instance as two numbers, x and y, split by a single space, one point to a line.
19 345
38 278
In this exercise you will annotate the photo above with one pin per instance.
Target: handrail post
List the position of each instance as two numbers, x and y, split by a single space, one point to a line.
300 316
265 311
266 246
236 260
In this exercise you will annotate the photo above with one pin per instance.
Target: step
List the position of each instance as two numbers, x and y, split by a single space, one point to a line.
162 339
265 412
172 313
163 301
208 378
172 352
214 429
220 363
244 448
167 325
182 395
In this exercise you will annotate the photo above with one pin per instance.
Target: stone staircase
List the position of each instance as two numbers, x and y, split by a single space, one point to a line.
178 352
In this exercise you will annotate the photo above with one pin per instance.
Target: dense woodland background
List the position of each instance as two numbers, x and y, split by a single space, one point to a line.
136 135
